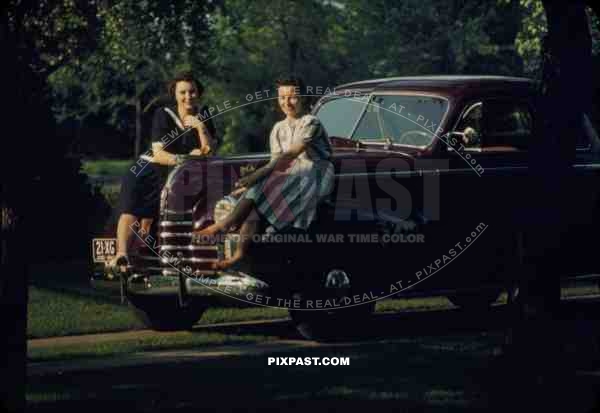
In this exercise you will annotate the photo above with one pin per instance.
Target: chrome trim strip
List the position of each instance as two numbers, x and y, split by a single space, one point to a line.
583 277
175 234
170 273
172 211
394 145
592 166
422 172
244 157
188 260
472 149
175 223
189 247
584 149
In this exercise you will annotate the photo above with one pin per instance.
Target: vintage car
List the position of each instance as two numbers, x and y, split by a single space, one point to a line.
430 174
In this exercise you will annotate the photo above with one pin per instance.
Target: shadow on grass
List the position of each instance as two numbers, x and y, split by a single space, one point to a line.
69 278
394 325
411 375
434 361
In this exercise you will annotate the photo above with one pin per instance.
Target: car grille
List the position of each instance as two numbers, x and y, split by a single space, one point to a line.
177 252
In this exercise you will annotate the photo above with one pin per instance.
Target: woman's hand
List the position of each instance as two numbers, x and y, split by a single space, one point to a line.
246 181
238 191
191 121
205 150
197 152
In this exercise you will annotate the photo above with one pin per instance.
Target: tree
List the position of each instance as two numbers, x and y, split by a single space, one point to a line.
35 176
534 27
566 77
139 46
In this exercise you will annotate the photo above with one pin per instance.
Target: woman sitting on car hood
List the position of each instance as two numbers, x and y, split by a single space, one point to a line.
287 190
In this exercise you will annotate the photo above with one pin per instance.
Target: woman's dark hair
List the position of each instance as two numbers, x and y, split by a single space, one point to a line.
298 83
184 77
291 80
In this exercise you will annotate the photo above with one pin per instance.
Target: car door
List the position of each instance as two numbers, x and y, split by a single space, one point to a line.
491 161
485 184
579 247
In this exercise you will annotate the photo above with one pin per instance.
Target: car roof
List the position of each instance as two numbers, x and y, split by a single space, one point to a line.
444 84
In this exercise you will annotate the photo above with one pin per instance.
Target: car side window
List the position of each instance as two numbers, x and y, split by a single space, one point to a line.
588 137
472 119
507 124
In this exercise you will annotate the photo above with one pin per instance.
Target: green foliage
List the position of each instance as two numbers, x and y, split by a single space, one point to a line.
107 167
139 46
529 39
53 32
534 27
238 47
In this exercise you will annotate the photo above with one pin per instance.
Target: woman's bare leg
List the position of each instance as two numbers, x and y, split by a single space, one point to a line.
145 226
125 233
247 231
241 211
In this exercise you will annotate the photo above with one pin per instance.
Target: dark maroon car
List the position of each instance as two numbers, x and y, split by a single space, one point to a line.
431 173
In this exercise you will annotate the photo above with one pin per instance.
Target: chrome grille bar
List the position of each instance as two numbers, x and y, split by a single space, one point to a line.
188 248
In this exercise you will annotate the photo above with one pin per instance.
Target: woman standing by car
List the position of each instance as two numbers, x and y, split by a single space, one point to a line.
176 130
287 190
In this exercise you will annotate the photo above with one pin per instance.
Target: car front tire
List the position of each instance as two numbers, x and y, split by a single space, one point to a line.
332 324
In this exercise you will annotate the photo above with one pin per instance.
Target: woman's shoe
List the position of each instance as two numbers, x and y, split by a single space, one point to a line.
119 263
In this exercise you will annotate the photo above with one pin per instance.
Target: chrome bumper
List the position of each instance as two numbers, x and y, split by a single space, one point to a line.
225 287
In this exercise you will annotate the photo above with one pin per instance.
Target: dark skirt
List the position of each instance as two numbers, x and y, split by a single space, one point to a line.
140 192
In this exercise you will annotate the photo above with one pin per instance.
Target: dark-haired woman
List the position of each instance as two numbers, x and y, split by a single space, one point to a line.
286 191
177 130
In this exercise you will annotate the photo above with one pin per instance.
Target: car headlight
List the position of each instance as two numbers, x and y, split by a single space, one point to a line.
223 208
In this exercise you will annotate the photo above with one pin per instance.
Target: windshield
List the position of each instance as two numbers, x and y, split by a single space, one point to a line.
339 115
402 119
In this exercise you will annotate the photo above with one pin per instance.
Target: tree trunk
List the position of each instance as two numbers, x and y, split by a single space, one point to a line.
13 311
565 96
13 274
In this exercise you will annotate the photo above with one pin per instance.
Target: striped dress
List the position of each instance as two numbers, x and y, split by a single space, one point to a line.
290 194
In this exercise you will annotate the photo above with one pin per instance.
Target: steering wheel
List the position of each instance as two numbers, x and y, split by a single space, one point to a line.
413 137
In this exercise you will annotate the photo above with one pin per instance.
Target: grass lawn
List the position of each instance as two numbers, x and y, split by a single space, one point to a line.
159 341
56 310
62 311
106 167
63 305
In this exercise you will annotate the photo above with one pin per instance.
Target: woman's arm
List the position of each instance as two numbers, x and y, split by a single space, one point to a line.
309 131
161 128
278 161
163 157
207 143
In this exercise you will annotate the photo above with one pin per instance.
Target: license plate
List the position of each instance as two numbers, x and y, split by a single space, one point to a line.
104 249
